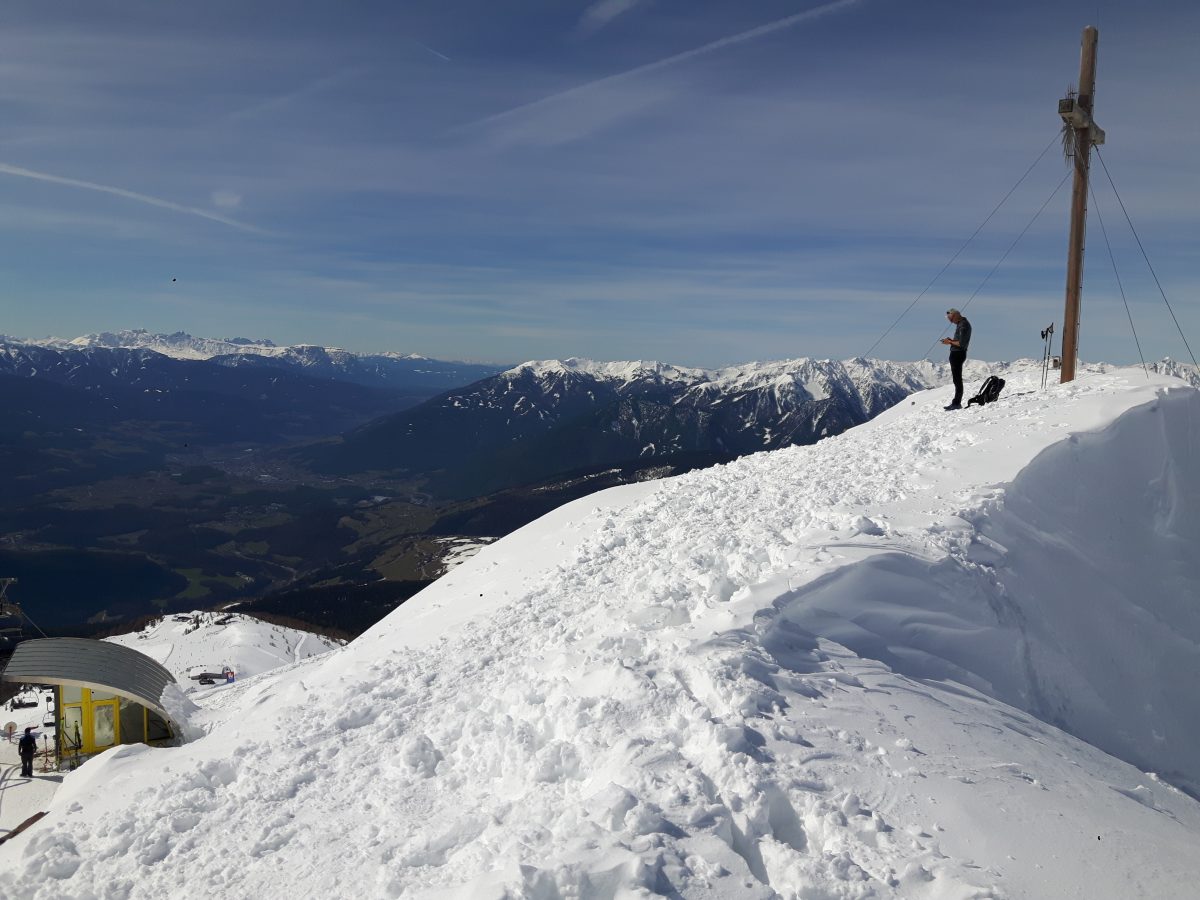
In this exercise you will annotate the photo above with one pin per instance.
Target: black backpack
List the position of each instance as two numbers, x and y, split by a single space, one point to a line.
989 392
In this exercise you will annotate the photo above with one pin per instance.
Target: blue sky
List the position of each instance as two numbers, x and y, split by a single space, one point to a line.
702 183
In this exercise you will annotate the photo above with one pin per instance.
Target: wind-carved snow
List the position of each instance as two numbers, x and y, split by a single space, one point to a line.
833 671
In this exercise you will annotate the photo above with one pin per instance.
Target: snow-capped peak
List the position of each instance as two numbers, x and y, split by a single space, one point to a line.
415 357
181 345
802 378
637 370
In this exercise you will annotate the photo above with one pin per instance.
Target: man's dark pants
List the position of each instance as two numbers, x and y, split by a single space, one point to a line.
26 766
957 358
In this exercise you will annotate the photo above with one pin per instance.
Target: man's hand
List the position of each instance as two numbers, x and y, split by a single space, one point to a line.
947 341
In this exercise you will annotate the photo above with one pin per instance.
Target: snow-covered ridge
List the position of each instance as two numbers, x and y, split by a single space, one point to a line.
178 345
390 370
812 377
789 381
615 371
190 643
844 670
748 375
181 345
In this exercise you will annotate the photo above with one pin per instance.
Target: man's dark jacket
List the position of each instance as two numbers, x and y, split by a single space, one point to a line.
962 334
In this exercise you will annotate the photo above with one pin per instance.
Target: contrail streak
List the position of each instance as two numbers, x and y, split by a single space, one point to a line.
739 38
442 56
6 169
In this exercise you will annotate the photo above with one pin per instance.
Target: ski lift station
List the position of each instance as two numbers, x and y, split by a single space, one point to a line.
105 694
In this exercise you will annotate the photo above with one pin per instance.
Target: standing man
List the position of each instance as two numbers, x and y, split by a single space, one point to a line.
26 749
958 352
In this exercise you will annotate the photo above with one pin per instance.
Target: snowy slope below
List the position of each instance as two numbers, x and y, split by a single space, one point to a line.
203 641
846 670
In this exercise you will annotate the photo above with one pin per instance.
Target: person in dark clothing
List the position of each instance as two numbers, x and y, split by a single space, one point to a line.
26 749
958 352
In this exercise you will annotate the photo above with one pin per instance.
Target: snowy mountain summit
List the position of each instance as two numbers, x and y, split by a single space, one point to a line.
179 344
941 655
189 644
804 378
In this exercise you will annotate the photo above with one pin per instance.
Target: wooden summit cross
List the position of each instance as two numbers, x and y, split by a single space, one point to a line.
1076 111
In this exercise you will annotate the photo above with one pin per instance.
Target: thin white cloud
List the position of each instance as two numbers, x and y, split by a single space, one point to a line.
602 12
226 199
19 172
313 87
739 38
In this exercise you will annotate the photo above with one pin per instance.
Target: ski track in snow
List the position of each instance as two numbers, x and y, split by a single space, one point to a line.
650 715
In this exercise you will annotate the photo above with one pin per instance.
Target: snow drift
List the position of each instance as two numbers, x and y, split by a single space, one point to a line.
1073 594
932 657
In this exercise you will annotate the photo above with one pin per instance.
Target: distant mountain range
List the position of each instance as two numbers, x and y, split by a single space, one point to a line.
73 412
409 373
542 419
452 429
324 484
548 419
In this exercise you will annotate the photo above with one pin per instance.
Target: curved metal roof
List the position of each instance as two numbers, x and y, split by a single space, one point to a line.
96 665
